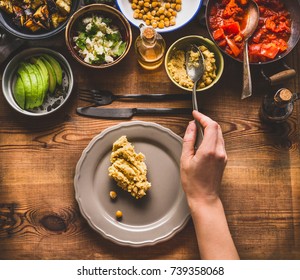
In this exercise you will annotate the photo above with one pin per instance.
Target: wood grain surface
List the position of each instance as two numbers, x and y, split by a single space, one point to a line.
40 218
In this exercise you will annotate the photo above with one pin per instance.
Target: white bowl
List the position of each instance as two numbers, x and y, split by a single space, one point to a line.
189 9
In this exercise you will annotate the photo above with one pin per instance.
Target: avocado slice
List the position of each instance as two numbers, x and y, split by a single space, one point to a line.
52 76
44 86
19 92
33 98
56 67
27 85
40 85
43 71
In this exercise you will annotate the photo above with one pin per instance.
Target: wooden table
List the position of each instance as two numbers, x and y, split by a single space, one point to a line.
40 218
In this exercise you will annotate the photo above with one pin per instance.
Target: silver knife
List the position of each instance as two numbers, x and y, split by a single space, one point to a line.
127 113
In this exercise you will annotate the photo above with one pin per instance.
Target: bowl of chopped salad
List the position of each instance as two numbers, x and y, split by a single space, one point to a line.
98 36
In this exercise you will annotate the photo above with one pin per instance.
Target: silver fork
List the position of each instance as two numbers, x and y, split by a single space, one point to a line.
105 97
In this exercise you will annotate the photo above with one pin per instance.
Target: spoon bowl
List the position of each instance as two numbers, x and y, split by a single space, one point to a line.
195 68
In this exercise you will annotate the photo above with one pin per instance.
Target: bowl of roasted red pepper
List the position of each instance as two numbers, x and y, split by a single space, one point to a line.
38 19
277 33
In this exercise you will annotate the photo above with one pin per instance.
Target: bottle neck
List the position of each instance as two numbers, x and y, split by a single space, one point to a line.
148 35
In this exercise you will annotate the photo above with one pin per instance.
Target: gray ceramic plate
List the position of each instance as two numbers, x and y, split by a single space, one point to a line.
152 219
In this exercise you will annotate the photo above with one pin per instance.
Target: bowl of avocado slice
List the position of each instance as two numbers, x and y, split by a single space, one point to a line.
37 81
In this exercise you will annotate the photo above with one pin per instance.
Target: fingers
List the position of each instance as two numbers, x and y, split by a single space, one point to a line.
203 119
210 130
220 149
188 147
213 141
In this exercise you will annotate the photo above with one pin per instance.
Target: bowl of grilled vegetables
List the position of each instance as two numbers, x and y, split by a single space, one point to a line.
36 19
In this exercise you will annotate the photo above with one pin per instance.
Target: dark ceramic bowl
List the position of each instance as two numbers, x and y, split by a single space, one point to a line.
6 22
51 103
118 20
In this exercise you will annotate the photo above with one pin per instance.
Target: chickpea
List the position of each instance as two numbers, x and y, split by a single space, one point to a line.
113 194
161 10
178 8
154 24
119 214
154 4
168 14
167 5
161 24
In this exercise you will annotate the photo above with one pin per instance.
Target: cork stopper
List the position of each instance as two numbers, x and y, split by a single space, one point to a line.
283 96
149 33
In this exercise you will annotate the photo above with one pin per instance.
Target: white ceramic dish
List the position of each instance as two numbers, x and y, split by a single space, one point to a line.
189 10
152 219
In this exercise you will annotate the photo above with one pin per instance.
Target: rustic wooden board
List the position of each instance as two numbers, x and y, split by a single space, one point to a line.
40 218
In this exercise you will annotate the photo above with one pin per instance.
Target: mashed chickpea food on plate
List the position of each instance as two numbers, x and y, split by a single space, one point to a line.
128 168
177 69
98 41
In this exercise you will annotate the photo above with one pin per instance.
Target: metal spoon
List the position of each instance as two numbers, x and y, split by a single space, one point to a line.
195 69
251 24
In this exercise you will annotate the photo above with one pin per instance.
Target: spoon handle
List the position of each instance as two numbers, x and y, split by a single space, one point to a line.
199 136
247 83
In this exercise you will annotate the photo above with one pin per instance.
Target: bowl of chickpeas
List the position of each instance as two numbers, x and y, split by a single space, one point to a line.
166 16
175 63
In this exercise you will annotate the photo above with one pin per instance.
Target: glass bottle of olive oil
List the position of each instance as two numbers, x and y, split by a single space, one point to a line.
150 48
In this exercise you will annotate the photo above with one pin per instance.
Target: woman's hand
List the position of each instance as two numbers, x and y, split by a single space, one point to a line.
202 170
201 175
